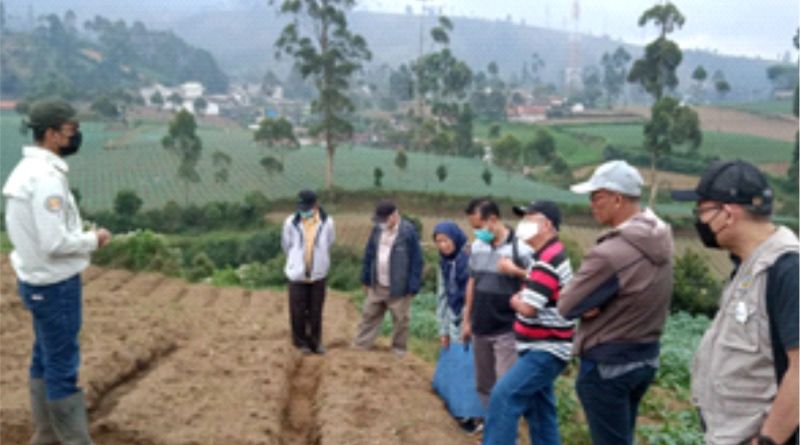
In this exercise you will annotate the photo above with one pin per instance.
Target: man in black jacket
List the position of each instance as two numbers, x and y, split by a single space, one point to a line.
391 275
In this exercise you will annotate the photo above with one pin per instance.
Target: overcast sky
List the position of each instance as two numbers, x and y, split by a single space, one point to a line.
738 27
735 27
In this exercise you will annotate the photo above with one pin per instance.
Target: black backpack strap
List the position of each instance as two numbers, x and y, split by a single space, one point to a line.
780 359
515 253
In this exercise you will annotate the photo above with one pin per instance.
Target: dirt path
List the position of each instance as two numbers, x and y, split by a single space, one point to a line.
300 422
165 362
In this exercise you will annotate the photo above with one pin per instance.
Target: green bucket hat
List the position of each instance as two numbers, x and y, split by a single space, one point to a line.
50 114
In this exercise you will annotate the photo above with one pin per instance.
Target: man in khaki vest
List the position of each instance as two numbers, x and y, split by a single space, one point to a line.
745 371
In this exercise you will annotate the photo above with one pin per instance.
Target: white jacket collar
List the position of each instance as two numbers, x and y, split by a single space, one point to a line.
32 151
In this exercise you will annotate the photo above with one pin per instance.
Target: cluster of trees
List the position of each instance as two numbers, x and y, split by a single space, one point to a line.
59 58
512 154
718 81
277 136
127 214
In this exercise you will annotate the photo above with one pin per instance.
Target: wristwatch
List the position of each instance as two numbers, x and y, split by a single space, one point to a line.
765 440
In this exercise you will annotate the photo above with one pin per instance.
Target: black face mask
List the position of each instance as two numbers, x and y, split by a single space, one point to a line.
707 236
73 146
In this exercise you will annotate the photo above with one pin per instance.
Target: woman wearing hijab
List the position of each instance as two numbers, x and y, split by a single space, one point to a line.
454 379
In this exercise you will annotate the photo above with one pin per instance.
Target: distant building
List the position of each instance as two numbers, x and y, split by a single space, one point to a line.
191 90
526 113
188 92
147 93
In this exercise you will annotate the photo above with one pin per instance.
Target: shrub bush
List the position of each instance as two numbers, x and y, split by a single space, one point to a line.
201 267
345 272
223 252
261 247
225 277
695 290
255 275
675 162
140 250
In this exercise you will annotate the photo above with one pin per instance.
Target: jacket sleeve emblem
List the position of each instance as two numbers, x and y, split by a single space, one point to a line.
54 203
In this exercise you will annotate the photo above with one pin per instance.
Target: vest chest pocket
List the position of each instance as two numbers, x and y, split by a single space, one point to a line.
741 328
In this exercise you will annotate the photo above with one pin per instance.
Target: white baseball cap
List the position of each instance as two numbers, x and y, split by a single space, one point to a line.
617 176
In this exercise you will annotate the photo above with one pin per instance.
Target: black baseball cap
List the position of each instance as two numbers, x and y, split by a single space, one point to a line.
547 208
50 114
306 200
383 210
734 182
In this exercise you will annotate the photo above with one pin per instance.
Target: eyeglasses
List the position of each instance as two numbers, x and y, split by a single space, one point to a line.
697 211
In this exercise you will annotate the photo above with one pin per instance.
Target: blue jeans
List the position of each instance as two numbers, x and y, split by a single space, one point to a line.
56 310
525 390
611 405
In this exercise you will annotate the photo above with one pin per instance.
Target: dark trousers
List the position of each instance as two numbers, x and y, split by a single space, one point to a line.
305 313
611 405
56 311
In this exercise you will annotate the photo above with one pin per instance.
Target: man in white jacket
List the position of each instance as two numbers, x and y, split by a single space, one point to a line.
307 238
51 249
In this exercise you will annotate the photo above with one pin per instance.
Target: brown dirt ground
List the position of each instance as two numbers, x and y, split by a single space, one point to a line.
739 122
165 362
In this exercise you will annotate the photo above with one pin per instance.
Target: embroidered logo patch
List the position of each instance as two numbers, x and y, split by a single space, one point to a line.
54 203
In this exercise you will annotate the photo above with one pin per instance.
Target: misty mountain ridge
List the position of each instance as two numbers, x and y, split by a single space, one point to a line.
240 34
247 49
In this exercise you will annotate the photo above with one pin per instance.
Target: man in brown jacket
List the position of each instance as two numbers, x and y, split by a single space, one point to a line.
622 295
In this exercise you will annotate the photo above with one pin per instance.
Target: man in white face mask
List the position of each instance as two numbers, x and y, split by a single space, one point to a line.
543 336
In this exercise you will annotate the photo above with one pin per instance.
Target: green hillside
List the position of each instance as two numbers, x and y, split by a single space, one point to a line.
59 59
140 163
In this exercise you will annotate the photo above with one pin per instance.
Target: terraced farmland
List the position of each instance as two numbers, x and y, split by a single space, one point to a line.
170 363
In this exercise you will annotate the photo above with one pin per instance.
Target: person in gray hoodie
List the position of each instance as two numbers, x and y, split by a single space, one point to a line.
622 296
306 240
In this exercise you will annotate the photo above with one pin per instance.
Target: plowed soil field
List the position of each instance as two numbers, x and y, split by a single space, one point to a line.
165 362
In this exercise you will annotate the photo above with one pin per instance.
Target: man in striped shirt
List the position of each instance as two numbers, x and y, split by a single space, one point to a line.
544 338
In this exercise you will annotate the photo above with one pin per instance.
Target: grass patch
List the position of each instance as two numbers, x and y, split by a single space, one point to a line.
724 145
5 243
